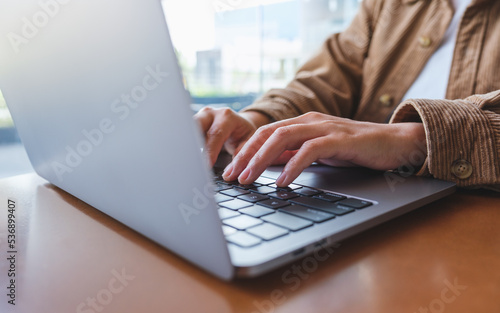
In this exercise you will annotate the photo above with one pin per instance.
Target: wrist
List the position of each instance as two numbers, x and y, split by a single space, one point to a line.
413 138
418 136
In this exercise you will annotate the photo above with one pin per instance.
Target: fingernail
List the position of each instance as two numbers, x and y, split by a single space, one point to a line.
244 176
281 180
228 171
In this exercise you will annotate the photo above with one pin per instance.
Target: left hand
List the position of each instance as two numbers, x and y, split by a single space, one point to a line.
316 137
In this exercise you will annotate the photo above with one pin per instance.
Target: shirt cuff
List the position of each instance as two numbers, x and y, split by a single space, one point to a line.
461 141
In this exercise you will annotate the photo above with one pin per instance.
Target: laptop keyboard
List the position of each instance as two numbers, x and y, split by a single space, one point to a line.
260 212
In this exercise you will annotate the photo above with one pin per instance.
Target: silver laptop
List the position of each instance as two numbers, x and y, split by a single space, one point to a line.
99 102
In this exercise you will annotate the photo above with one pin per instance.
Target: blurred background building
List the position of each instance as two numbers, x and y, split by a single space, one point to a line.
247 47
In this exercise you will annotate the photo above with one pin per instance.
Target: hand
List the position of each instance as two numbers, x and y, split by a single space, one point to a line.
316 137
228 129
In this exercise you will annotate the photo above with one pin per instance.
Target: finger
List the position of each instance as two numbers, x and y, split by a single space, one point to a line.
227 175
229 168
310 151
248 150
283 139
236 142
245 154
239 147
284 157
205 118
218 133
253 145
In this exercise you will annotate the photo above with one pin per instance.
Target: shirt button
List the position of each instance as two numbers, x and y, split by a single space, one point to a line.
386 100
462 169
425 42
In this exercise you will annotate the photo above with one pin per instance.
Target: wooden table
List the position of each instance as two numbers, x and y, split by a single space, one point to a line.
444 257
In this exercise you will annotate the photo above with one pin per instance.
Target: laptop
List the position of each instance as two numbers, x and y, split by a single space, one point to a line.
98 99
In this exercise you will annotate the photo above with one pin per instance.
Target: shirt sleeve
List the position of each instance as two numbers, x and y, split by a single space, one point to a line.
330 82
463 138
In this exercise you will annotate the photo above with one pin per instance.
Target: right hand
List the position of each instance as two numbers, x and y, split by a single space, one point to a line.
224 128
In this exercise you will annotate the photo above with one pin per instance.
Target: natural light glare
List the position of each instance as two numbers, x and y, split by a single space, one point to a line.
242 48
190 24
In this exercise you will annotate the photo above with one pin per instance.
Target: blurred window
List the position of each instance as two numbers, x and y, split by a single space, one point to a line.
232 51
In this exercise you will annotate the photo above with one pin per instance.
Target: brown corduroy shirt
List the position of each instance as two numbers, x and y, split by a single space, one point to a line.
364 72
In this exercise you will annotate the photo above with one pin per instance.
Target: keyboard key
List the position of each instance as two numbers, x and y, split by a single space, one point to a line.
234 192
283 195
290 187
242 222
230 183
329 207
267 231
340 209
226 213
331 197
243 239
253 197
228 230
220 187
286 220
247 187
236 183
313 203
355 203
307 213
274 203
221 198
264 190
265 181
218 178
235 204
256 211
308 192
